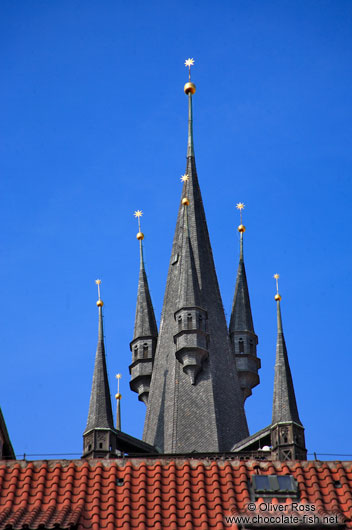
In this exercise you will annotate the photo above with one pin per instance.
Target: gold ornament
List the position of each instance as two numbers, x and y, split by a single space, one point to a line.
190 88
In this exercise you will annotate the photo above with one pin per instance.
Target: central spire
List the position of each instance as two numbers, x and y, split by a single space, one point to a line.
199 408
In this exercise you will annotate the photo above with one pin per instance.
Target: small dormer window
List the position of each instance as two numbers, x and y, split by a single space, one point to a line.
241 345
189 321
135 352
145 351
251 346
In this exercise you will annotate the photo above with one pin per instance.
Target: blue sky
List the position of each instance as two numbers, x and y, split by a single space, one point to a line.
93 127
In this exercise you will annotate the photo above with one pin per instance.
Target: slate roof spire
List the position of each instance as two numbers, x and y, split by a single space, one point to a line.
100 411
287 431
145 333
243 338
99 435
284 401
193 412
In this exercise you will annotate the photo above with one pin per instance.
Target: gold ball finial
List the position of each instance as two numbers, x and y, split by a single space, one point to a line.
277 296
99 302
241 228
140 236
118 396
185 201
189 88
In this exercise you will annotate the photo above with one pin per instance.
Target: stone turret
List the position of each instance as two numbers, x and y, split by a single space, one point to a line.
243 338
191 337
145 335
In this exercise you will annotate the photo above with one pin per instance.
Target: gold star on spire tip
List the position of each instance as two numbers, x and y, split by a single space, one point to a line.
184 177
99 302
277 296
138 213
241 228
189 62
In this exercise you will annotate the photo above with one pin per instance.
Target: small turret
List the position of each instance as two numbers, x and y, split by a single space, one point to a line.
287 431
99 438
243 338
191 337
145 334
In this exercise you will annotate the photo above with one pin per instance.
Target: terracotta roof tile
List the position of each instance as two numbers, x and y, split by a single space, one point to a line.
154 493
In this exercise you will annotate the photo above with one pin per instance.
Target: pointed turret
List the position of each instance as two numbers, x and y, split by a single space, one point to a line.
99 436
288 440
243 338
145 331
208 415
190 337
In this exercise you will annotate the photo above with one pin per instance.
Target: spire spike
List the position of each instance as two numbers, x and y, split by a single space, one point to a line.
192 337
100 416
243 338
287 432
284 400
145 330
190 89
118 397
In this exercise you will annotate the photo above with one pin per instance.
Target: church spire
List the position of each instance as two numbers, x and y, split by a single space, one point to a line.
99 430
243 338
203 412
287 431
145 330
284 402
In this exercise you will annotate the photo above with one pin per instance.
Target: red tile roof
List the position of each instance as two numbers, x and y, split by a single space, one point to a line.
155 493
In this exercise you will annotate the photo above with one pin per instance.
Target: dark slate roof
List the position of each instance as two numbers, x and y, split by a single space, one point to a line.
247 442
189 293
241 315
159 493
284 401
207 416
145 323
100 411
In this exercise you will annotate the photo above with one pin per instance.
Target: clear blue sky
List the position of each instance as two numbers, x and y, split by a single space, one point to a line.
93 127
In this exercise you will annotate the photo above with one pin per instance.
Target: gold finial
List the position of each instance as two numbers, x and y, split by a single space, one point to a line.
189 63
240 206
185 201
185 177
190 88
277 296
100 303
118 395
138 214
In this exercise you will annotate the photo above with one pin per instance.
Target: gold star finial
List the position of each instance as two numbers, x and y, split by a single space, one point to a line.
277 296
189 62
138 214
99 302
240 206
185 177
